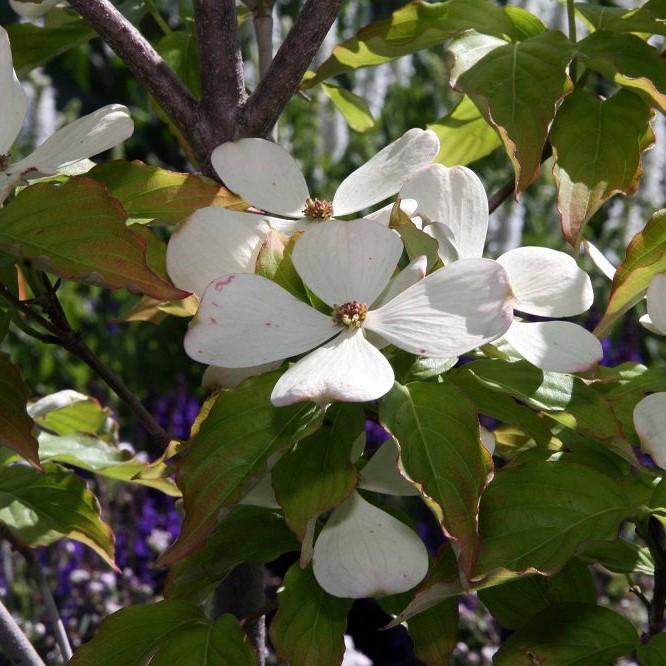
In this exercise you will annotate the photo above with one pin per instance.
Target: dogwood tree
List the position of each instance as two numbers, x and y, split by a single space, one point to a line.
312 317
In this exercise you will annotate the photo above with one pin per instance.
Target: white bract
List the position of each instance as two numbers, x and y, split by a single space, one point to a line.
83 138
246 320
453 205
650 424
33 10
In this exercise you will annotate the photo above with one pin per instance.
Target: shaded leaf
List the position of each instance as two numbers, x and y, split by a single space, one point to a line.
164 634
245 534
650 18
317 474
654 652
619 556
569 634
517 87
438 432
645 257
78 231
43 507
417 243
597 145
180 52
230 451
309 627
151 195
434 633
537 515
15 424
464 135
354 109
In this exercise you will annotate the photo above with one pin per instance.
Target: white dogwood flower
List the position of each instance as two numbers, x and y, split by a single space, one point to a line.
268 178
650 424
83 138
545 282
246 320
33 10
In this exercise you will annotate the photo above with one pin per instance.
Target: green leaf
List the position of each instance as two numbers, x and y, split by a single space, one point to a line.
317 474
43 507
416 241
81 416
537 515
244 534
628 61
309 627
597 145
645 257
15 424
354 109
649 19
438 432
165 634
654 652
568 635
274 262
514 603
151 195
618 556
416 26
180 52
231 449
434 633
78 231
34 46
517 87
464 135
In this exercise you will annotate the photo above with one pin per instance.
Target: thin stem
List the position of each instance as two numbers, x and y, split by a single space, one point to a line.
263 30
15 643
158 18
285 73
571 18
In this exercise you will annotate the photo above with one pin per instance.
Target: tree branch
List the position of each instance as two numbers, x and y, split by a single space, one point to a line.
147 65
283 77
15 643
221 65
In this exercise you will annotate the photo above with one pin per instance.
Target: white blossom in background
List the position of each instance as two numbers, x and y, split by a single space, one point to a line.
83 138
34 10
650 424
453 205
246 320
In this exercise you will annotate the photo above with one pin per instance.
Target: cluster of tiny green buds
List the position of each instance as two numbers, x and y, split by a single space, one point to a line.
318 209
351 315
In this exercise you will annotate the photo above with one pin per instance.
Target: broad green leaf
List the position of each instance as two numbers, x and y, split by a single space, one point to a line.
654 652
619 556
628 61
517 87
231 449
464 135
244 534
100 457
180 52
69 413
309 627
597 144
34 46
514 603
438 432
537 515
354 109
569 635
317 474
416 26
151 195
650 18
78 231
565 398
165 634
274 262
645 257
15 424
43 507
434 633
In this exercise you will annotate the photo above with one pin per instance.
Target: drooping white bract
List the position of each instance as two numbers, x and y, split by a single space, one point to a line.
650 424
544 282
246 320
268 178
83 138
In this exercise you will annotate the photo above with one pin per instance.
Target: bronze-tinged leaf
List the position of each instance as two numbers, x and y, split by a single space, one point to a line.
77 231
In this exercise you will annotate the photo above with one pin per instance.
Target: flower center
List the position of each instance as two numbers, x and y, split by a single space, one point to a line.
318 209
4 162
351 315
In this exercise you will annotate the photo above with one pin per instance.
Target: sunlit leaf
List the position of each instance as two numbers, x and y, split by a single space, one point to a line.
354 109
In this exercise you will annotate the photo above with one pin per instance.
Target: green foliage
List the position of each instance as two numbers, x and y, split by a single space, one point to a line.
166 633
353 108
434 632
653 653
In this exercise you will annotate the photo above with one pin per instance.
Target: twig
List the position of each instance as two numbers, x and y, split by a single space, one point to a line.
283 77
262 18
15 643
222 84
